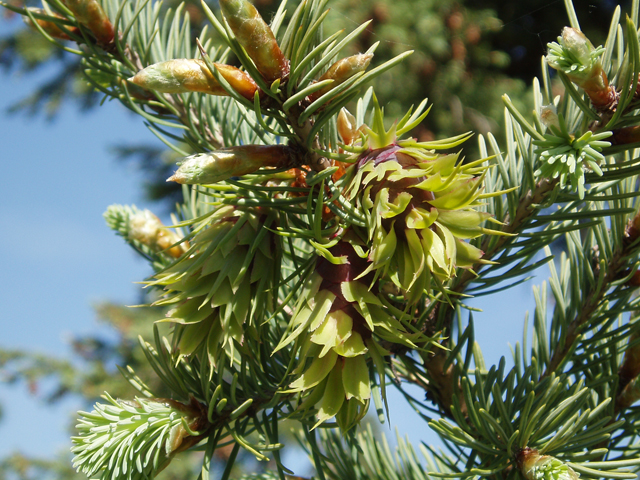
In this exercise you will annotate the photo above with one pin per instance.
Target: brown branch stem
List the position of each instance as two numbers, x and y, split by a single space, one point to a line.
315 161
627 375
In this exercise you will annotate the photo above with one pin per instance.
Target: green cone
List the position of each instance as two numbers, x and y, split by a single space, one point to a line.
222 287
420 206
338 321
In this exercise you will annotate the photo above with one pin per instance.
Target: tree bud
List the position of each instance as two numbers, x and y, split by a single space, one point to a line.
212 167
240 81
178 76
577 44
580 61
549 117
543 467
184 75
256 37
341 71
347 126
628 372
91 14
146 432
601 94
573 54
626 135
49 27
146 228
629 395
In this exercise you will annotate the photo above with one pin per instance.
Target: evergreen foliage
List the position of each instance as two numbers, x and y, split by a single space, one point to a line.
459 65
319 254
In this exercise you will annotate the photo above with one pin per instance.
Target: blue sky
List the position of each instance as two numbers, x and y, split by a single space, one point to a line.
58 257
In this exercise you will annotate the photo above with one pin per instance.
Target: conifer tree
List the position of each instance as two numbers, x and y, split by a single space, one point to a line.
321 254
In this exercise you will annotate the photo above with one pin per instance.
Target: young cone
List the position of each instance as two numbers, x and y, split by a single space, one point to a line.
339 321
221 289
419 207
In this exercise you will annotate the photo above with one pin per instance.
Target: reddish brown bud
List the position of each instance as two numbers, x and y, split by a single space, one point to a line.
634 281
212 167
630 367
525 455
341 71
256 37
626 135
91 14
185 75
629 395
347 127
632 232
49 27
602 95
240 81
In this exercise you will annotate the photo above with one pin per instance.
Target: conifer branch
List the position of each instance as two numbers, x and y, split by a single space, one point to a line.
590 305
627 392
530 204
443 383
314 244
